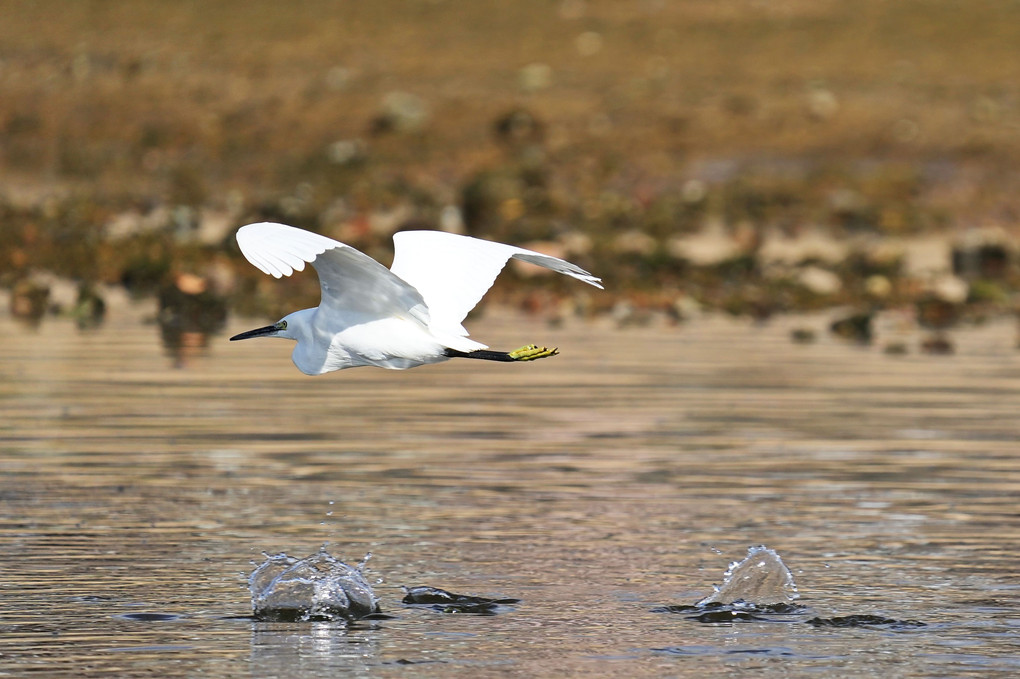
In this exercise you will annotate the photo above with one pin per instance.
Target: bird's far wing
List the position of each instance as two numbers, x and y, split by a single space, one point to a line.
351 281
453 272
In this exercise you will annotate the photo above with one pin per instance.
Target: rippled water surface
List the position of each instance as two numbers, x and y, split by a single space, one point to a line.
597 487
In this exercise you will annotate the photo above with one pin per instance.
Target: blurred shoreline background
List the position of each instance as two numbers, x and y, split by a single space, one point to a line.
751 156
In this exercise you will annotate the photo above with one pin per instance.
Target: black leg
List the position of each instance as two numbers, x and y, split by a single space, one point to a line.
528 353
483 354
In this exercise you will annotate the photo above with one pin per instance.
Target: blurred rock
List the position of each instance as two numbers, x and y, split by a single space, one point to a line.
752 300
384 223
822 103
984 291
634 242
875 257
809 246
849 207
137 222
144 267
484 195
936 313
877 286
950 289
926 255
896 349
29 300
89 310
693 191
628 315
346 152
855 327
400 112
983 254
819 281
576 244
519 127
214 225
802 335
708 248
63 292
683 308
937 344
535 77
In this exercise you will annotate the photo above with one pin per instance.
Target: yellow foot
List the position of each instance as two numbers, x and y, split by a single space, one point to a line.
532 353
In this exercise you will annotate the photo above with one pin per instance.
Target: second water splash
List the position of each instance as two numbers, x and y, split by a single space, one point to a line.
752 589
760 588
761 578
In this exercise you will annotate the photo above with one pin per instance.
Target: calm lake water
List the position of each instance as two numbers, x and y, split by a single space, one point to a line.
619 477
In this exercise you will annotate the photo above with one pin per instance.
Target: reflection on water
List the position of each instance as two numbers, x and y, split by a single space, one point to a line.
593 486
190 311
308 649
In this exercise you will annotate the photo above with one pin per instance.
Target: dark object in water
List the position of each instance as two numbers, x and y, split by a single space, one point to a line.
863 621
737 611
448 602
149 617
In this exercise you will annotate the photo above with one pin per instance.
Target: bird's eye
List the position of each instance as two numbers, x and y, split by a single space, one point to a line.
283 325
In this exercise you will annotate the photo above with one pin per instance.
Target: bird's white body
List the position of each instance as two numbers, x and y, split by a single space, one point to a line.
396 318
395 343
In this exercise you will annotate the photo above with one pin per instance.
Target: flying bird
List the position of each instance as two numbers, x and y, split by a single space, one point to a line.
408 315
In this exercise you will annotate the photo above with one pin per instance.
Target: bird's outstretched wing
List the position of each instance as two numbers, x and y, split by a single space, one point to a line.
353 284
453 272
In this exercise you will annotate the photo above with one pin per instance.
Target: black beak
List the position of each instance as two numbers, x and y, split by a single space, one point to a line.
257 332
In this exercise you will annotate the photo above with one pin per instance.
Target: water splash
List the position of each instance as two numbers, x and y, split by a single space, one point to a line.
760 588
761 579
753 590
318 587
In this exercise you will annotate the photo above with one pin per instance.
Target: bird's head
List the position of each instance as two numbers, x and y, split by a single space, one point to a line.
282 328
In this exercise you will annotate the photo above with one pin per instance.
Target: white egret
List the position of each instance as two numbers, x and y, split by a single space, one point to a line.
397 318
